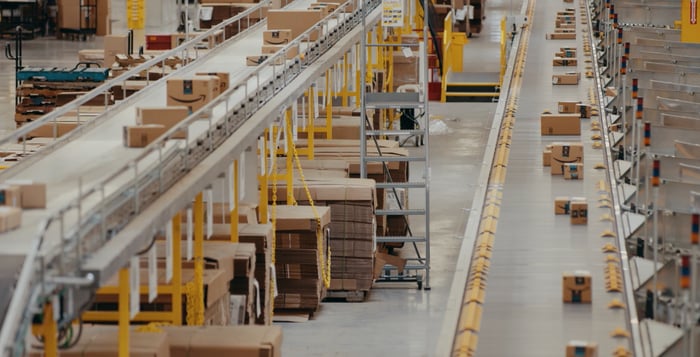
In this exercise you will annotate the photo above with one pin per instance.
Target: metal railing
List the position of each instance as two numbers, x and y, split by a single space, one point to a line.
96 214
182 51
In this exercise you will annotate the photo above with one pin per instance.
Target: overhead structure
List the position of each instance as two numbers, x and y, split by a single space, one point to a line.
95 229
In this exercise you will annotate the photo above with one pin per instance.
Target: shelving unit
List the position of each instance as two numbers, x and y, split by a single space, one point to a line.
412 106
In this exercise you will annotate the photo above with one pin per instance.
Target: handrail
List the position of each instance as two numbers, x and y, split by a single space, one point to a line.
24 130
447 48
94 214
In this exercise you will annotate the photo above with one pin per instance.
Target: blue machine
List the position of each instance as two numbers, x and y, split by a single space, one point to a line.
75 74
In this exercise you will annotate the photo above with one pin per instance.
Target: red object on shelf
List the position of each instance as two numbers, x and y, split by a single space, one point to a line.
434 79
158 42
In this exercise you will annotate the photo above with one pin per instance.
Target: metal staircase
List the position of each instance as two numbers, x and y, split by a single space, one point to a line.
411 107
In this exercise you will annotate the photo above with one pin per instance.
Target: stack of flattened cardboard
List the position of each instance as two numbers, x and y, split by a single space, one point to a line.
216 294
244 285
193 341
301 256
352 203
261 236
99 340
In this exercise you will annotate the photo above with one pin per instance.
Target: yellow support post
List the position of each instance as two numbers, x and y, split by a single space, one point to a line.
49 332
124 312
263 181
503 50
199 259
234 212
329 105
289 158
690 28
311 131
177 270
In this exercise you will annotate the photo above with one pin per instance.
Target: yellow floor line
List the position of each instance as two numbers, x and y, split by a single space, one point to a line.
466 338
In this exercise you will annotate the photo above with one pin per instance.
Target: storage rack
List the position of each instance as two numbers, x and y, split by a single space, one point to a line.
24 14
87 19
406 103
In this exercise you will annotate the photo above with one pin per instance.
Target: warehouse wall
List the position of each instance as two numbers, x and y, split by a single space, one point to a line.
161 16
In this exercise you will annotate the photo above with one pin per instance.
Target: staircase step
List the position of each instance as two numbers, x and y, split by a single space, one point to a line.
471 97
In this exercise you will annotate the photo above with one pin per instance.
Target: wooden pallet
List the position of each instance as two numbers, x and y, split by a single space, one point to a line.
347 295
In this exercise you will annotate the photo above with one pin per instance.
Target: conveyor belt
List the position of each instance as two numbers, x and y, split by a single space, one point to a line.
97 153
533 247
522 313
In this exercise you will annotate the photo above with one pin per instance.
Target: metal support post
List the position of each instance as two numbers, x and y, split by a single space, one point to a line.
233 224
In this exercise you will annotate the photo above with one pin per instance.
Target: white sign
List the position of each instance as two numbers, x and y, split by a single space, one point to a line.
392 13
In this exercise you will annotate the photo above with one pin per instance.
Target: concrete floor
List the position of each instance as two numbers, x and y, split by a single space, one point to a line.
397 319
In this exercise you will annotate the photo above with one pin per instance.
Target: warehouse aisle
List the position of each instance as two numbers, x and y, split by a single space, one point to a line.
533 247
397 319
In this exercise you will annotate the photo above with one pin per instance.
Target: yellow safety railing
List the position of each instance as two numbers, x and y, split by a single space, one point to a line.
503 51
446 53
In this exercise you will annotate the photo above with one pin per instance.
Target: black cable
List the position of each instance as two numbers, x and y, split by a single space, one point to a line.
150 245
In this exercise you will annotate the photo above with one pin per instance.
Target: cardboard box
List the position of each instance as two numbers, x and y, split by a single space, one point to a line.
565 153
68 14
277 37
585 110
581 349
139 136
568 107
10 218
325 10
560 61
193 92
243 341
561 205
115 45
224 79
103 340
561 36
255 60
566 78
301 218
292 51
297 21
104 20
578 211
329 5
10 195
560 124
33 193
611 91
568 53
546 157
577 287
168 117
573 171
